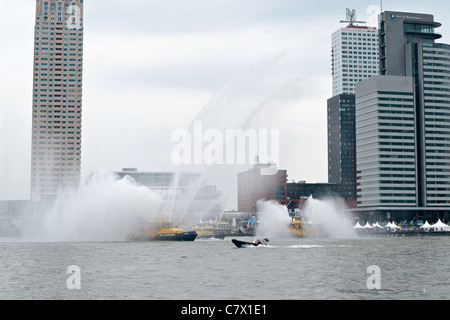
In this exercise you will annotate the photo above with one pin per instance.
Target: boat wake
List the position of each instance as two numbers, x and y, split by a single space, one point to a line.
295 246
305 246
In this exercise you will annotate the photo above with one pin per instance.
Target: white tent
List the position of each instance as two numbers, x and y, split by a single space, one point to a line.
440 226
358 226
426 226
392 225
367 226
377 225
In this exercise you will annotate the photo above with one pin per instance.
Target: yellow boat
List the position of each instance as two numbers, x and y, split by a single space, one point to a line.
162 230
206 231
301 228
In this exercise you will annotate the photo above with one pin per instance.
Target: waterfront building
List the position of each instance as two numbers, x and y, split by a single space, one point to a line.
265 182
402 121
354 58
342 144
297 193
397 30
262 182
57 98
386 166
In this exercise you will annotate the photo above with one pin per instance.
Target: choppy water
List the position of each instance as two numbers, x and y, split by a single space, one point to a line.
411 268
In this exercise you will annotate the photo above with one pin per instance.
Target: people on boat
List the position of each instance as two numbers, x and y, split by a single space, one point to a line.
259 241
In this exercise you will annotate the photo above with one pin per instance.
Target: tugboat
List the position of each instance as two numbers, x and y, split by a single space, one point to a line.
205 231
162 230
300 228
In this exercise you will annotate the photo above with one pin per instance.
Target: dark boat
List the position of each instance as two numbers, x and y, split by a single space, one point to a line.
207 231
181 236
243 244
211 236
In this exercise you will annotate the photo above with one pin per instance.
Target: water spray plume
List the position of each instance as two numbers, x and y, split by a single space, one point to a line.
329 216
104 210
273 219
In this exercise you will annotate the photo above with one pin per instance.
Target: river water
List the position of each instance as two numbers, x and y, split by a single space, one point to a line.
409 268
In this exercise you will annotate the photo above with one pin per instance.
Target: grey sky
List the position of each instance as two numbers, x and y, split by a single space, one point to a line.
151 65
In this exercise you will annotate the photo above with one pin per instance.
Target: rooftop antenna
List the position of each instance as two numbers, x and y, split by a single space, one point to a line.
351 17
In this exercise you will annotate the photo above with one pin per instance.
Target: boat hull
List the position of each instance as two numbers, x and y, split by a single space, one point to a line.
243 244
211 236
182 236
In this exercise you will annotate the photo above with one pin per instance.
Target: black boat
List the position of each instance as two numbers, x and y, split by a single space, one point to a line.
243 244
180 236
211 236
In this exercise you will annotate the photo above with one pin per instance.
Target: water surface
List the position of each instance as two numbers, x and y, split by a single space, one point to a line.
411 268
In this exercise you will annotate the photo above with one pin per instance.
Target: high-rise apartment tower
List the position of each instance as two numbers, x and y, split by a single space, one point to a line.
57 98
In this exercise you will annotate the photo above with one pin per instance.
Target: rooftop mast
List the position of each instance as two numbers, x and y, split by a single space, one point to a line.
351 18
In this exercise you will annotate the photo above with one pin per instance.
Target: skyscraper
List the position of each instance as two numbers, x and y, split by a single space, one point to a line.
354 58
385 142
397 29
342 144
403 116
57 98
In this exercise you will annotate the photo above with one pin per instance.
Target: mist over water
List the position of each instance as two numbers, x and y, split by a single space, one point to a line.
273 219
329 215
103 210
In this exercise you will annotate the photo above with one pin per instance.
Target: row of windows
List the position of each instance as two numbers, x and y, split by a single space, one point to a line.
381 201
377 189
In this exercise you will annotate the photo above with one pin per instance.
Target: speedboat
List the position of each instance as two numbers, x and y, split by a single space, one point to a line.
243 244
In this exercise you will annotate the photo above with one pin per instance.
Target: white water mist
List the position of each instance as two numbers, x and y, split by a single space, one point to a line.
329 215
273 219
104 210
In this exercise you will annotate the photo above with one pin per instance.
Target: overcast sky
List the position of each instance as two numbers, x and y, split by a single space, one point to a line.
150 67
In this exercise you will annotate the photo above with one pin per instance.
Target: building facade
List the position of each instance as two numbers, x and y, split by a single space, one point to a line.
354 57
403 120
385 126
267 183
342 144
260 183
297 193
432 93
57 98
396 30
